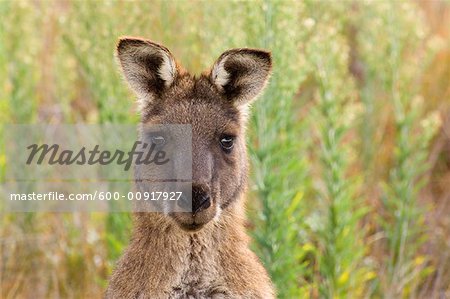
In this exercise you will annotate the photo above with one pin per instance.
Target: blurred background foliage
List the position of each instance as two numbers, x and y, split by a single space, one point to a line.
350 144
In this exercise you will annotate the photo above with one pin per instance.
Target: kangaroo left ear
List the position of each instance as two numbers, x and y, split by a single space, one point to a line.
241 74
148 67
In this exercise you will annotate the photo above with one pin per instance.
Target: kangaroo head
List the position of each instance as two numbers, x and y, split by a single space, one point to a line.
215 104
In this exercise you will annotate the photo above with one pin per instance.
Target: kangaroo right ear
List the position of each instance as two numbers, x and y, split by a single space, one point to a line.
241 74
148 67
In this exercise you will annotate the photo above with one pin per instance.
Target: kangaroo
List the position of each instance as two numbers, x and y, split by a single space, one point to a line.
205 253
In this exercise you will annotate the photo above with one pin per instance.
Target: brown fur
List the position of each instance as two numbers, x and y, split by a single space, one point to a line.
204 254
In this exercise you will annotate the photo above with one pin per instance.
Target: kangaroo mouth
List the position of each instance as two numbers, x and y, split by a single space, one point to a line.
191 227
190 222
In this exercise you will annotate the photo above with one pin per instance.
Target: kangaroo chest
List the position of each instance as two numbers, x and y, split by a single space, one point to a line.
199 274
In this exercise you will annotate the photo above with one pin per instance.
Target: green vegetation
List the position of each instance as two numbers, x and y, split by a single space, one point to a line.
342 144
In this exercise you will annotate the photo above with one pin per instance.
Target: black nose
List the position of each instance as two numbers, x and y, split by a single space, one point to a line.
200 200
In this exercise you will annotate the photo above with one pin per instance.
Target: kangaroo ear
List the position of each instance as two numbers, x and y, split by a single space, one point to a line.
148 67
241 74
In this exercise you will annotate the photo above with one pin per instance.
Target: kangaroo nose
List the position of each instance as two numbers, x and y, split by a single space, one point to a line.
200 200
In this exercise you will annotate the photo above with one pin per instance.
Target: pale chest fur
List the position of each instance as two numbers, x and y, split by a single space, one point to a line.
200 273
213 263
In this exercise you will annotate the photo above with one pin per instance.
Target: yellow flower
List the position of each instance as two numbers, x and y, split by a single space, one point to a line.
308 247
369 275
343 278
2 160
419 260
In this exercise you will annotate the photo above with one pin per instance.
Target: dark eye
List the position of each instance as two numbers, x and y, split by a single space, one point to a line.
158 140
227 143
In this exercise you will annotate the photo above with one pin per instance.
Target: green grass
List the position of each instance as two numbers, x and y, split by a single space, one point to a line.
338 143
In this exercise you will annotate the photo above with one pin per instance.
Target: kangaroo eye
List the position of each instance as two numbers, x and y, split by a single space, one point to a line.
158 140
227 143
